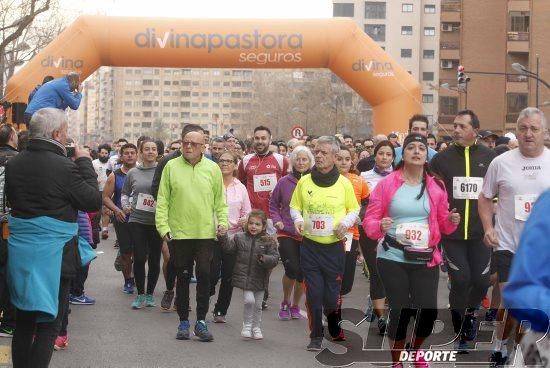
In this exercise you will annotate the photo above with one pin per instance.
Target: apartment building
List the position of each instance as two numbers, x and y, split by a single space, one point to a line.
488 37
409 31
129 102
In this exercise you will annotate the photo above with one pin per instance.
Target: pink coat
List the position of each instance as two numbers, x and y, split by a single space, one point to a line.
379 206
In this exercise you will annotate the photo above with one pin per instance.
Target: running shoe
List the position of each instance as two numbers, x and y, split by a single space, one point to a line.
420 362
469 327
167 299
193 280
139 302
116 244
105 234
6 331
341 336
246 332
201 331
150 301
491 315
284 312
315 344
486 303
183 331
333 321
128 287
382 325
81 300
461 346
61 343
295 312
264 305
497 360
219 317
257 333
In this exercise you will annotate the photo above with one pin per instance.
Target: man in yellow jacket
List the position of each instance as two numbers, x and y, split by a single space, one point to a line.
190 213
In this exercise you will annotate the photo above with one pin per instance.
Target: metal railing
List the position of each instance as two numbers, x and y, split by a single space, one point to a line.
516 78
518 36
450 6
450 45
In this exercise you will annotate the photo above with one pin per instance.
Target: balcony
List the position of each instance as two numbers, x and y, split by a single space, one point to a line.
449 50
450 11
519 5
516 84
518 42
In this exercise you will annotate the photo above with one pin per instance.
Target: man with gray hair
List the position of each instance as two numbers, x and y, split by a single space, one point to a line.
323 208
44 189
59 93
517 178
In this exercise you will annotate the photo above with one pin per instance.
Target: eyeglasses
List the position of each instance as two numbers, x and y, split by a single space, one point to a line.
369 147
226 162
192 144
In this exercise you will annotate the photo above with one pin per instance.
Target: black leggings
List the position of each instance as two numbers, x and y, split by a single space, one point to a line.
349 270
468 264
410 288
33 341
289 250
147 248
368 248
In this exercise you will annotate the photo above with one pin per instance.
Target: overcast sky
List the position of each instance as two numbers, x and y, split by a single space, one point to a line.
203 8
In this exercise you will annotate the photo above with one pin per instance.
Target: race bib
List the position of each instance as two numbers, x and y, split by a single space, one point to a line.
146 202
349 240
523 205
321 225
467 187
265 182
416 235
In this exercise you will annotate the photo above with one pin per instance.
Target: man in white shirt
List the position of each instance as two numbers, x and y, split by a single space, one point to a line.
517 178
101 167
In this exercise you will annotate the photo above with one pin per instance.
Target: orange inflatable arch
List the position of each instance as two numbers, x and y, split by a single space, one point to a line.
338 44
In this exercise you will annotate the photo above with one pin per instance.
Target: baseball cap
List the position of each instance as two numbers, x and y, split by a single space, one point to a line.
483 134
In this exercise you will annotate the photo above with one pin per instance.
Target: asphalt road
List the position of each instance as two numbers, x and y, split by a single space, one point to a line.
111 334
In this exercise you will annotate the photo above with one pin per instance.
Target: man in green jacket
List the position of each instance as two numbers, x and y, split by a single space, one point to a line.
190 213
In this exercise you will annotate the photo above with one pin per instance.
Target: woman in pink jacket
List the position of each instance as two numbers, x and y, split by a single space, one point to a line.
409 211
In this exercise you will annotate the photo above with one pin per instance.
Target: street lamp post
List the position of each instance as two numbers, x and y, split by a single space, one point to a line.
458 89
536 75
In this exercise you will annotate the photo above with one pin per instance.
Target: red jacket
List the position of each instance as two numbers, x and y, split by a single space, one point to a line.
438 219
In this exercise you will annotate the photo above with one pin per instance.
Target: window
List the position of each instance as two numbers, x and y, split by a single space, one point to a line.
128 83
428 54
235 94
128 71
185 104
185 115
147 114
226 84
147 82
185 93
166 93
406 30
429 31
516 102
186 83
137 125
429 9
146 124
204 105
237 73
375 10
175 83
448 105
406 53
167 83
247 94
216 105
127 93
428 76
236 84
137 93
226 105
407 8
137 114
427 98
195 94
519 21
174 114
175 104
205 83
217 84
127 103
227 94
175 93
376 31
196 83
204 94
166 104
127 125
195 104
343 10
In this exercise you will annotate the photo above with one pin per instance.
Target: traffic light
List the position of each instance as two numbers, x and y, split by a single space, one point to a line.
461 77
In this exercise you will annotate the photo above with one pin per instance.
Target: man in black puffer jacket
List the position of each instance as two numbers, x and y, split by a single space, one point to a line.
44 186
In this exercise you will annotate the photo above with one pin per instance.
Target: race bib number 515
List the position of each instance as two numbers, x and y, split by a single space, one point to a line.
264 183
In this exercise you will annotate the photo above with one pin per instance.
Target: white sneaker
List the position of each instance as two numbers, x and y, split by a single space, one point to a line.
246 332
257 333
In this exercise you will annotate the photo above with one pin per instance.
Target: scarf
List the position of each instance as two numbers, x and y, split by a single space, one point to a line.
384 172
298 175
325 180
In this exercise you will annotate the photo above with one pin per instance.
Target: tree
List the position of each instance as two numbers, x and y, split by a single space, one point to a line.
26 26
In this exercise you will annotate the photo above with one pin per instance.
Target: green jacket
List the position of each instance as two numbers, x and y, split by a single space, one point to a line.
190 202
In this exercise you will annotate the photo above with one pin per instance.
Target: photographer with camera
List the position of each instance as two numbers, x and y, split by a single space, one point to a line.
44 190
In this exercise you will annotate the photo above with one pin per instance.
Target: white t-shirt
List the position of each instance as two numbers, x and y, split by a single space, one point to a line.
101 171
517 181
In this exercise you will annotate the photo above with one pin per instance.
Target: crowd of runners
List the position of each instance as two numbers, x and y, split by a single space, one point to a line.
222 213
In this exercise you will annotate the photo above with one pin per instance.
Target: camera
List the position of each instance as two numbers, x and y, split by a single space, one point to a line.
71 152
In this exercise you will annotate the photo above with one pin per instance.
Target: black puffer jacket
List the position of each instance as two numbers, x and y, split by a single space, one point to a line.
249 273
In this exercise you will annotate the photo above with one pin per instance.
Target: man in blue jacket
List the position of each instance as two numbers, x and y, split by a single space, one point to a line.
59 93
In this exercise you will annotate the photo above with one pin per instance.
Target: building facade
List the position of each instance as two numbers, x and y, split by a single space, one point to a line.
409 31
489 37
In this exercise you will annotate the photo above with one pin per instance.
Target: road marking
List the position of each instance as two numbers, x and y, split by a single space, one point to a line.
99 252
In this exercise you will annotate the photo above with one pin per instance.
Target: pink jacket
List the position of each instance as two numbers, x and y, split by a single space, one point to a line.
379 206
236 197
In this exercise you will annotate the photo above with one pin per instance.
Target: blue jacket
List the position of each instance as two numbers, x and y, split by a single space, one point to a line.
35 249
55 93
528 292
